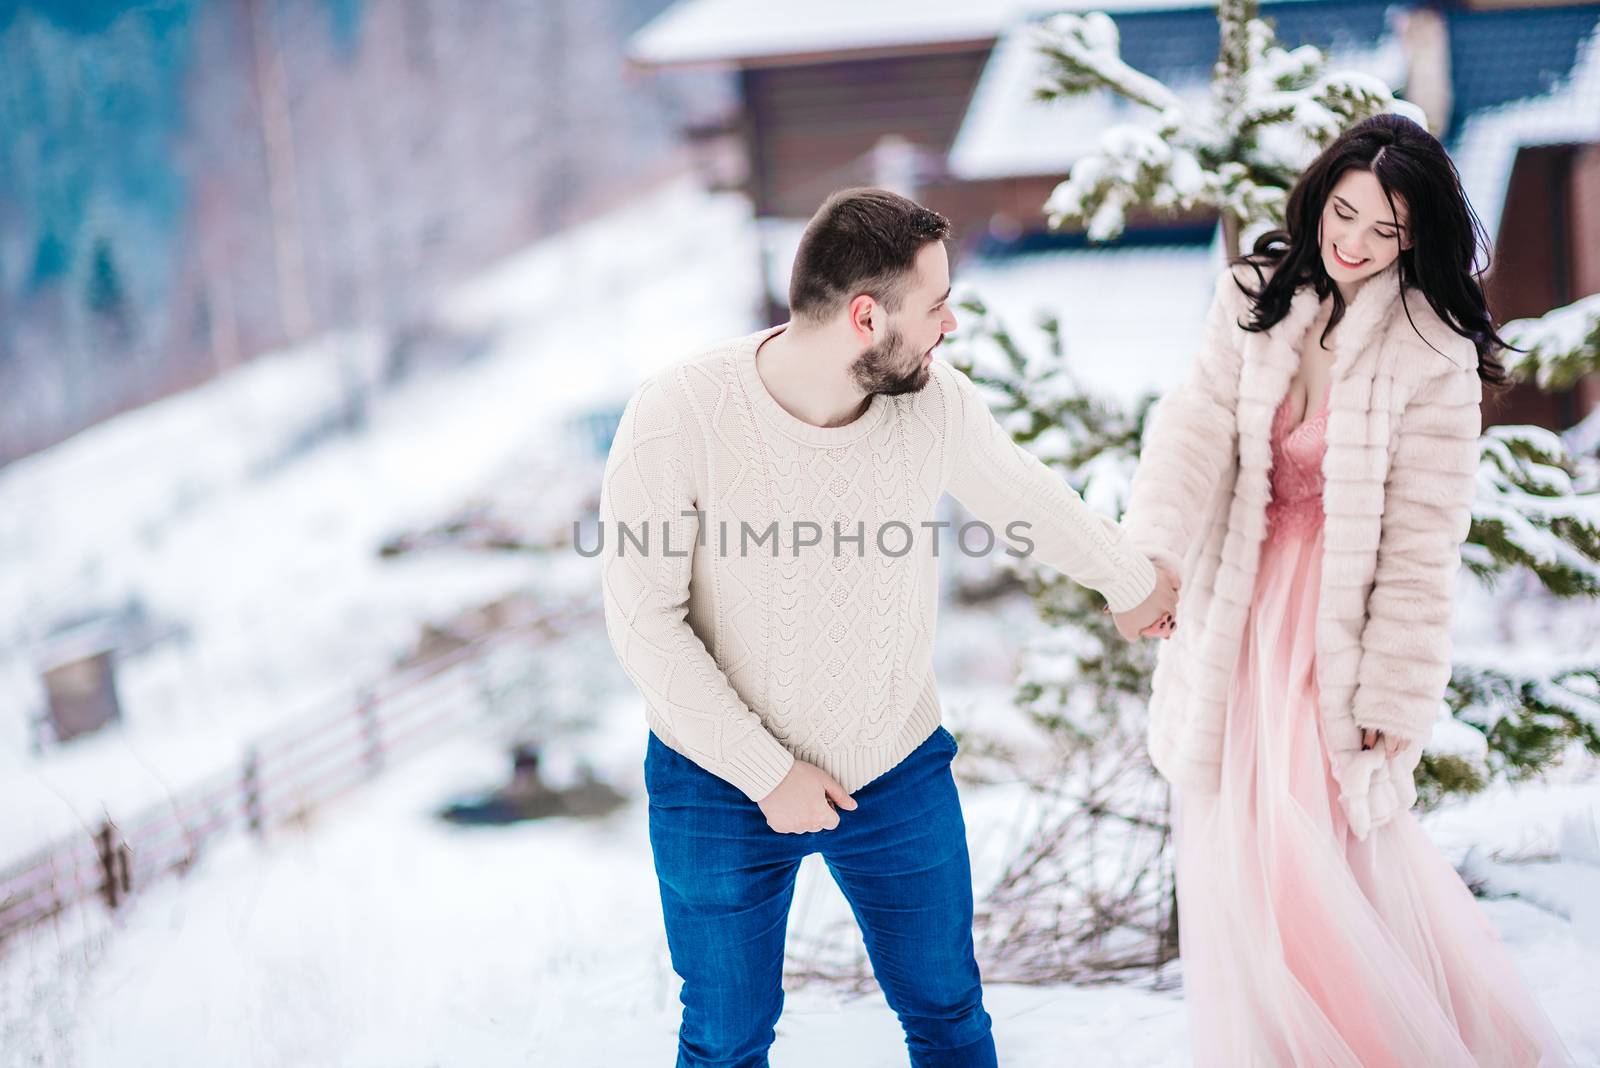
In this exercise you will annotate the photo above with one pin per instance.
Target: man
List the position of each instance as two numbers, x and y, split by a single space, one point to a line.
772 592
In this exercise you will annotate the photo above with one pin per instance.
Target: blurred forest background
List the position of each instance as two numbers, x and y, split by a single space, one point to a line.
187 184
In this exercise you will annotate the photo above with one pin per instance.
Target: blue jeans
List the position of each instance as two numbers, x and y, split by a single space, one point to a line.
727 880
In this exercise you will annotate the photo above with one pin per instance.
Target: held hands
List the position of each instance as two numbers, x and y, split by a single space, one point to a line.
807 799
1154 616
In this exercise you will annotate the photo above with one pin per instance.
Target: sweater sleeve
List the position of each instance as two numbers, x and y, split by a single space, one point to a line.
1000 482
647 488
1190 438
1427 511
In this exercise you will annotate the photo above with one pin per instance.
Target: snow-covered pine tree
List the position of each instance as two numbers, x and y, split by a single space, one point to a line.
1271 110
1537 517
1088 891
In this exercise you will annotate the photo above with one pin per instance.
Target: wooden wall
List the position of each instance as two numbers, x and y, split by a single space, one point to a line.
1547 254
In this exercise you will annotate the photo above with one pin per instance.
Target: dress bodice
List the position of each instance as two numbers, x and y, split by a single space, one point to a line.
1296 476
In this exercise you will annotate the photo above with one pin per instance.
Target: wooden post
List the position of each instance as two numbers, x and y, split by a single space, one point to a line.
1230 234
115 883
252 792
124 856
367 709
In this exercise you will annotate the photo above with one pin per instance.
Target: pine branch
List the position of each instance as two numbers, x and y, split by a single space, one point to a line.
1528 714
1271 110
1563 345
1528 514
1086 54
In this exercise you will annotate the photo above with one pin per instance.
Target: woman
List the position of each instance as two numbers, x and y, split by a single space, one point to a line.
1311 485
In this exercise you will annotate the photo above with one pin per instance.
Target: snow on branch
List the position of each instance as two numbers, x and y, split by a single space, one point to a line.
1086 50
1527 513
1270 111
1530 708
1562 345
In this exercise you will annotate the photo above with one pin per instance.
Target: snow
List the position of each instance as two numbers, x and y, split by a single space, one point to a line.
1453 738
1528 518
1188 160
1553 337
734 31
1583 438
378 935
1486 148
242 518
1119 342
384 938
780 240
1008 132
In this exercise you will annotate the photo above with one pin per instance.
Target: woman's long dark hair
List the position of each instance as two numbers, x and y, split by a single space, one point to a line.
1411 164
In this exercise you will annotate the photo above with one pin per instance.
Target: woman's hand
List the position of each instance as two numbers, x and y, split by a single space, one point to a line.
1153 613
1371 739
1161 628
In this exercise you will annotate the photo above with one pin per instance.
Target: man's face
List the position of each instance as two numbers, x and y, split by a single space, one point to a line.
898 363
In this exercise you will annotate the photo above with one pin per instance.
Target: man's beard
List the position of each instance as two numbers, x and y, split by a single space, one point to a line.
890 368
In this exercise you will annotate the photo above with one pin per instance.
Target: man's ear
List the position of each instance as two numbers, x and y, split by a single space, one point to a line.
864 315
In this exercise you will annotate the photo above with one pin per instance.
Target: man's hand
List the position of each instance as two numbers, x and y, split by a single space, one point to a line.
1150 616
805 801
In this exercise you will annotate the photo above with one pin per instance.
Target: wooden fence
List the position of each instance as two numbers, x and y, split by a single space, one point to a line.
283 775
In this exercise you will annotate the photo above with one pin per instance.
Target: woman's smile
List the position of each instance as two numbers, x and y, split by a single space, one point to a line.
1345 261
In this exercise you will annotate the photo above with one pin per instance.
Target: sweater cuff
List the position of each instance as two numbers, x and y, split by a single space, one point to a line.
1159 554
757 765
1133 586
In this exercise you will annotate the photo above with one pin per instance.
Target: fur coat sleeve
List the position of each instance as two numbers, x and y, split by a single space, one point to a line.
1193 427
1427 509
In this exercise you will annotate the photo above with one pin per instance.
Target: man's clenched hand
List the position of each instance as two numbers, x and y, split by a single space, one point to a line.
805 801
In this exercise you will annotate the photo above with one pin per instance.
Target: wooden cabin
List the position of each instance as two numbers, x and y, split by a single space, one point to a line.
925 98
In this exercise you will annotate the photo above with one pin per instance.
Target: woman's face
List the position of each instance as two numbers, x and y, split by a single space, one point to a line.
1358 233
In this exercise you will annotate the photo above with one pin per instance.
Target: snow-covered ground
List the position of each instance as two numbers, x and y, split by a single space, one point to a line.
380 936
377 935
1111 342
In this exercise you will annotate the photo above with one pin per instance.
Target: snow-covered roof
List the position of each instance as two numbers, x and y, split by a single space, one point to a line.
741 31
1128 314
1486 147
1008 132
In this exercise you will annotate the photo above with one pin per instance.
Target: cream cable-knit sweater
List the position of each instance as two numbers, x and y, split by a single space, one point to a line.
749 660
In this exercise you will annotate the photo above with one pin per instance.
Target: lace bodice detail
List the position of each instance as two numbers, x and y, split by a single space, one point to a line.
1296 476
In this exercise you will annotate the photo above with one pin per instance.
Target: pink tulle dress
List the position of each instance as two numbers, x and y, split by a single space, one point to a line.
1301 944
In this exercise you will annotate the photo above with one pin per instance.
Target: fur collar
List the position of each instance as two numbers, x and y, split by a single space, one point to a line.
1377 298
1377 306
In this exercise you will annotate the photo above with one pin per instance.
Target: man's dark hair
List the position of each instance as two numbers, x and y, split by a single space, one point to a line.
860 241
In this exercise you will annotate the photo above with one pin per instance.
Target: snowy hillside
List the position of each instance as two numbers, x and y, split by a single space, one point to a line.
242 519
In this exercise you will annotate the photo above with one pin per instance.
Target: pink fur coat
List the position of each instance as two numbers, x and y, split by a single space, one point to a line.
1403 422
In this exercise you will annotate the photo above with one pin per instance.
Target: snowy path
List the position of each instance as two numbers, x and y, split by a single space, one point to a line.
386 938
